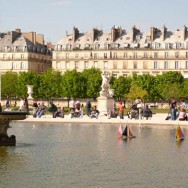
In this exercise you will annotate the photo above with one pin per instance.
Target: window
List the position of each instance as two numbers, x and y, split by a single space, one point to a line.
176 54
145 55
166 65
86 55
176 64
76 65
13 65
68 47
134 65
106 46
95 64
67 55
86 65
166 45
125 55
96 46
177 45
166 54
4 56
114 75
115 55
186 45
58 65
22 56
13 56
22 66
186 64
105 55
186 54
156 45
124 75
67 65
155 65
95 55
76 55
105 65
135 55
155 54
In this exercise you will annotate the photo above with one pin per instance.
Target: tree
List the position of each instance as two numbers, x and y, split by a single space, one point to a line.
27 78
50 84
172 90
9 84
93 82
136 91
148 83
73 85
121 86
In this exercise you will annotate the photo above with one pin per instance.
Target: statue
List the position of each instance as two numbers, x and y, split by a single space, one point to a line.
105 85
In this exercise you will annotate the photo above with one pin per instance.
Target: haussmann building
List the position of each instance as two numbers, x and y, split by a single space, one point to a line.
121 53
23 52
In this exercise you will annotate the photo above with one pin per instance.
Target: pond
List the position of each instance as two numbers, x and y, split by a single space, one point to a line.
88 155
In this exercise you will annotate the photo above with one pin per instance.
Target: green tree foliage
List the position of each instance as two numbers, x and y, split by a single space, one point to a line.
50 82
73 85
136 91
148 83
171 90
185 89
164 81
121 86
27 78
93 82
9 84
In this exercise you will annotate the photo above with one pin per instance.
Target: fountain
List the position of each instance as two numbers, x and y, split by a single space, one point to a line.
5 119
105 101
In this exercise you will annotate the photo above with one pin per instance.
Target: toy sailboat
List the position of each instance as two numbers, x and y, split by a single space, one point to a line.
120 131
127 133
179 134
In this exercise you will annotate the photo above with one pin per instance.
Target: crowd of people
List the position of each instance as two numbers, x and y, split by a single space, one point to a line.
138 110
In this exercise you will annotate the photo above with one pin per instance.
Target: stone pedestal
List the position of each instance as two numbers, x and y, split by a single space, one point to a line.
5 118
104 104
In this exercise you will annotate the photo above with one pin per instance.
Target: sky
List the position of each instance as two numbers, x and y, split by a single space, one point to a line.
55 18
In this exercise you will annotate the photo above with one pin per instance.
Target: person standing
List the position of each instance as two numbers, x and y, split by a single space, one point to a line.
88 107
173 108
121 110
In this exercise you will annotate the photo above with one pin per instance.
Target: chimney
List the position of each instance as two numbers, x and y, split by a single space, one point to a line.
18 30
153 31
115 33
184 32
95 32
75 34
135 31
164 32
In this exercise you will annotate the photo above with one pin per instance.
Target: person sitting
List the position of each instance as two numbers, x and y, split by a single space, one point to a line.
183 115
52 109
41 110
112 113
94 113
147 113
59 112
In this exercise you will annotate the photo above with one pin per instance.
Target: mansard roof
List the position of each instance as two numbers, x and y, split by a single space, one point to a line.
121 39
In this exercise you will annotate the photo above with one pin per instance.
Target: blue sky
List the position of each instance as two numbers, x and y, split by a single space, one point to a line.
54 17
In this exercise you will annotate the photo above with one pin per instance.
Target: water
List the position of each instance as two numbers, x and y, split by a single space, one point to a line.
92 156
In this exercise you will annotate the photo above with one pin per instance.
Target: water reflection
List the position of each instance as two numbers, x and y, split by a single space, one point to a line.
92 156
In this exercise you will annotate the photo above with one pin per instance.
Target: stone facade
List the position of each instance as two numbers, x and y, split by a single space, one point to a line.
24 52
120 53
